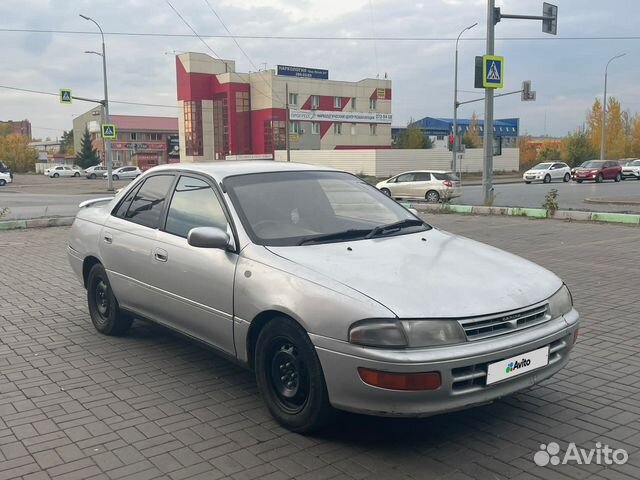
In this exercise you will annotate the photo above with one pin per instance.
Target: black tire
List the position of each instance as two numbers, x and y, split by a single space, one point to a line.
92 176
105 312
528 183
386 191
623 178
566 177
547 178
618 177
298 399
599 178
579 181
116 177
3 182
56 175
432 196
77 174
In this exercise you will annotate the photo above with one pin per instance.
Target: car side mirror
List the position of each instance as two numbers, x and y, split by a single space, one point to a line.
208 237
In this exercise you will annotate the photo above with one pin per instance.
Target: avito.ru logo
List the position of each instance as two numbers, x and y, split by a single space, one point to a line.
550 454
525 362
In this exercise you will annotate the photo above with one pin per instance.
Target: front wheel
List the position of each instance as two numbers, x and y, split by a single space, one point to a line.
92 176
528 183
3 182
290 378
432 196
579 181
56 175
105 312
566 178
547 178
618 177
116 177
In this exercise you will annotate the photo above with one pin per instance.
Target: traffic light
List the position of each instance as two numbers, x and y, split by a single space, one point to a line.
450 142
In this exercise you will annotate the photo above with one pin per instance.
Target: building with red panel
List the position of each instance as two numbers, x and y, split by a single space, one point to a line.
225 113
19 127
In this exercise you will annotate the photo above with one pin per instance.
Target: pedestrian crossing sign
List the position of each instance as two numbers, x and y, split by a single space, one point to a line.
65 96
492 71
108 131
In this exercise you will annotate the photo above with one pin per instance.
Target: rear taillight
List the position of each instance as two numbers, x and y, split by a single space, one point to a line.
447 183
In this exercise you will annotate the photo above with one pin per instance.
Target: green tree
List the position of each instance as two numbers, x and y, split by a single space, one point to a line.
66 143
17 154
87 156
412 137
576 148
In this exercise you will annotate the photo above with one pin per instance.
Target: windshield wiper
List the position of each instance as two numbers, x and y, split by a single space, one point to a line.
344 235
407 222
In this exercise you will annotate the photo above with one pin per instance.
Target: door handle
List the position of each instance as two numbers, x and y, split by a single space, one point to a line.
108 238
160 254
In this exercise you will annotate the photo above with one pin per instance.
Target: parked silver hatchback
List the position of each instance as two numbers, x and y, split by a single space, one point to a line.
333 293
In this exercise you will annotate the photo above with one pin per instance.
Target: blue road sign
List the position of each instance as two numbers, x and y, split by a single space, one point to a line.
492 71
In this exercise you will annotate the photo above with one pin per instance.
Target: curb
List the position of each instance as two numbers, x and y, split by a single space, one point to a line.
626 218
612 201
36 223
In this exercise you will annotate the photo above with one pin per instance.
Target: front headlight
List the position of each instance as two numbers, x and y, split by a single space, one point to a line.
406 333
560 302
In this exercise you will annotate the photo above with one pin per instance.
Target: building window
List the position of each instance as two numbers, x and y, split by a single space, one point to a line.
337 128
155 136
221 126
242 101
353 103
315 101
293 99
373 103
133 135
337 102
372 128
315 128
193 128
354 129
294 127
440 137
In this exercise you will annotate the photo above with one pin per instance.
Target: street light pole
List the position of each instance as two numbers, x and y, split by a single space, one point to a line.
107 141
487 164
604 109
455 103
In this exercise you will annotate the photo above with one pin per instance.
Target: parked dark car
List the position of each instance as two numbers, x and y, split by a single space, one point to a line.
5 169
598 171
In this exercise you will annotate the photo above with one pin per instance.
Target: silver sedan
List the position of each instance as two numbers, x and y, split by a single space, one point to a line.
334 294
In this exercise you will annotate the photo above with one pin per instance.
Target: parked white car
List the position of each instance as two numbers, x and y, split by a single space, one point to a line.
62 171
547 172
4 179
124 173
431 185
631 170
95 171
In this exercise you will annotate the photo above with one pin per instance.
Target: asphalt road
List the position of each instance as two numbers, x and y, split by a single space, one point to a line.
571 195
33 196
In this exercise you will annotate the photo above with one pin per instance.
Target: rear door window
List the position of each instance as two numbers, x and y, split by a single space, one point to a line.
421 177
148 203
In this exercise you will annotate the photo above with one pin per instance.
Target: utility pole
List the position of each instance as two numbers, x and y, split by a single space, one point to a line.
487 164
456 143
288 142
107 141
604 110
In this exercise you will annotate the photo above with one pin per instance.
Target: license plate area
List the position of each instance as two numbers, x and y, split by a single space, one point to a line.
517 365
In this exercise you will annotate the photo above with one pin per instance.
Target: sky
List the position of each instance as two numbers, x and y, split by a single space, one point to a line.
567 74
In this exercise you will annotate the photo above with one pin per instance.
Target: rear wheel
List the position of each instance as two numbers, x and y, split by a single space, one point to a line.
618 177
386 191
566 178
432 196
599 178
105 312
77 174
547 178
290 378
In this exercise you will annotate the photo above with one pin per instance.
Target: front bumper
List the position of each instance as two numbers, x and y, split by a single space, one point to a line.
630 174
462 368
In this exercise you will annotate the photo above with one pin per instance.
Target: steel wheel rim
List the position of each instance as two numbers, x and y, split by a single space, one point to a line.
102 296
287 376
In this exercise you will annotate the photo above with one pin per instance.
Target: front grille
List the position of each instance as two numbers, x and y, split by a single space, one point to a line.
486 326
474 377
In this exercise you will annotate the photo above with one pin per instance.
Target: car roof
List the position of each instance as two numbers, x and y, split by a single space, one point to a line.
424 171
221 169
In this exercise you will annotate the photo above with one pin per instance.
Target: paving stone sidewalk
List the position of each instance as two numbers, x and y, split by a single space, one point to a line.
78 405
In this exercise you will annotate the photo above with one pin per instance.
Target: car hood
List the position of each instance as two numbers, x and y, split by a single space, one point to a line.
444 275
533 172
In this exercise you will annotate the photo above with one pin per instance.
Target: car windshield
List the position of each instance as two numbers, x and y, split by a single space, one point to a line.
542 166
592 164
296 208
635 163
